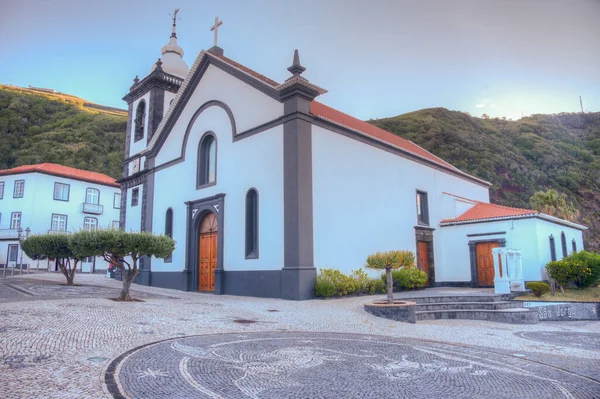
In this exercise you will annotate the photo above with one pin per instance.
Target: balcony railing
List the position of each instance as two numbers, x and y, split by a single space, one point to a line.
58 232
94 209
9 234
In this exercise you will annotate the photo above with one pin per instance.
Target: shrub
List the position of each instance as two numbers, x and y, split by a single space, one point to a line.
581 268
591 261
373 286
344 285
407 278
412 278
324 288
538 288
332 282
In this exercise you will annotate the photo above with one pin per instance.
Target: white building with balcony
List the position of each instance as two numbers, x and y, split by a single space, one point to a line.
56 199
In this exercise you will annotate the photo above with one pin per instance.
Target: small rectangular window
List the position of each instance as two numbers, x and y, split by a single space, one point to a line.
117 201
574 245
15 220
61 192
19 189
59 222
422 209
115 224
1 189
135 193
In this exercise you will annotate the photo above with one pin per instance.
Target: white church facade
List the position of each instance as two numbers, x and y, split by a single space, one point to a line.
260 186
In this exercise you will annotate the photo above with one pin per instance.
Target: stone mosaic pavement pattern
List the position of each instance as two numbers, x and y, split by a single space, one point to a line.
325 365
61 347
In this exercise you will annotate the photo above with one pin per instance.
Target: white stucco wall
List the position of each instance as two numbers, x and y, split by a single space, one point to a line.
38 205
254 162
249 106
133 221
530 235
364 200
167 101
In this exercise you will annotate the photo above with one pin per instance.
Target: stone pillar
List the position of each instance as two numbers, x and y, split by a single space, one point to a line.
518 282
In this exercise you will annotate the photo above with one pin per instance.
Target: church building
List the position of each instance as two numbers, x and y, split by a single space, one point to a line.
260 185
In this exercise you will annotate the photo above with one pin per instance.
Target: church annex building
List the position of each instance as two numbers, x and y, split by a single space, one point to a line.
261 185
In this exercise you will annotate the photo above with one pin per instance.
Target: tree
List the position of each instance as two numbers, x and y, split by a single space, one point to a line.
123 250
388 261
54 246
555 204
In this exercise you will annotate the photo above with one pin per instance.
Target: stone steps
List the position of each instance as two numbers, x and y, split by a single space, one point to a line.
513 315
500 305
459 298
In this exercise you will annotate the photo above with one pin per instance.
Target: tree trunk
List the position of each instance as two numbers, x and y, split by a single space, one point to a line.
128 277
390 285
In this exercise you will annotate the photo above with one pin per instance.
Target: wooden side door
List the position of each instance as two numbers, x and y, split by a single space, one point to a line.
422 258
204 264
485 262
212 261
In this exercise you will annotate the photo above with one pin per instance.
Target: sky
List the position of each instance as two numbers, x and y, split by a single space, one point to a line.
377 58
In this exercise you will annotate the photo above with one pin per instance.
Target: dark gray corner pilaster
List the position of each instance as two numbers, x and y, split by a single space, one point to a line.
299 272
219 282
473 263
155 110
123 210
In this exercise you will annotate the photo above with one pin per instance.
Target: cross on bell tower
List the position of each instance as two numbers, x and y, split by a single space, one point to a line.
215 49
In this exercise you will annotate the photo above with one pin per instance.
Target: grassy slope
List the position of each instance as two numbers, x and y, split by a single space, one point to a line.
518 157
41 127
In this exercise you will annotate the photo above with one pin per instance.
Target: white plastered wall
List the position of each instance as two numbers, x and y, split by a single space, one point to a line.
254 162
364 200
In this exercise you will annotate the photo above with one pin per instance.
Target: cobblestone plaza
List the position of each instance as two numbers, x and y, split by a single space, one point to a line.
75 342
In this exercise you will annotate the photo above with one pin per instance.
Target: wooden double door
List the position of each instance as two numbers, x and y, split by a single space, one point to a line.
485 262
208 252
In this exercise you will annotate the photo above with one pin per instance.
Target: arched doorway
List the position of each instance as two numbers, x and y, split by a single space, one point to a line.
208 257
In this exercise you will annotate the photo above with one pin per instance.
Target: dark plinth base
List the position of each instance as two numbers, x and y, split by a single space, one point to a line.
399 310
298 284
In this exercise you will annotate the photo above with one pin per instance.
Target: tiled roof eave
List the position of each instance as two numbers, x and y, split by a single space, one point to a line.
58 174
490 219
404 150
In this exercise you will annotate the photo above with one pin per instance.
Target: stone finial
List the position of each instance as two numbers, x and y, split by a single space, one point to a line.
159 65
296 69
136 80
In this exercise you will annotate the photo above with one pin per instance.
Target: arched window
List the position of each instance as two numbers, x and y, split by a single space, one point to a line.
169 230
140 120
563 243
574 245
252 224
207 160
169 223
552 248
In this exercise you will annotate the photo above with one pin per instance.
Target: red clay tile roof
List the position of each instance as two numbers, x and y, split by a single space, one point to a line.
324 112
484 210
64 171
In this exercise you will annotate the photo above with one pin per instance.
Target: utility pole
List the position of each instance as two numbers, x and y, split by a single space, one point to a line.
581 104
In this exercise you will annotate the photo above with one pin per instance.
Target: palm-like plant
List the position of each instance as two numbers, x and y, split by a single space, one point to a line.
554 203
388 261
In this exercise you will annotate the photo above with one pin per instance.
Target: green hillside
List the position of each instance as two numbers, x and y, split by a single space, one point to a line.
44 127
518 157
